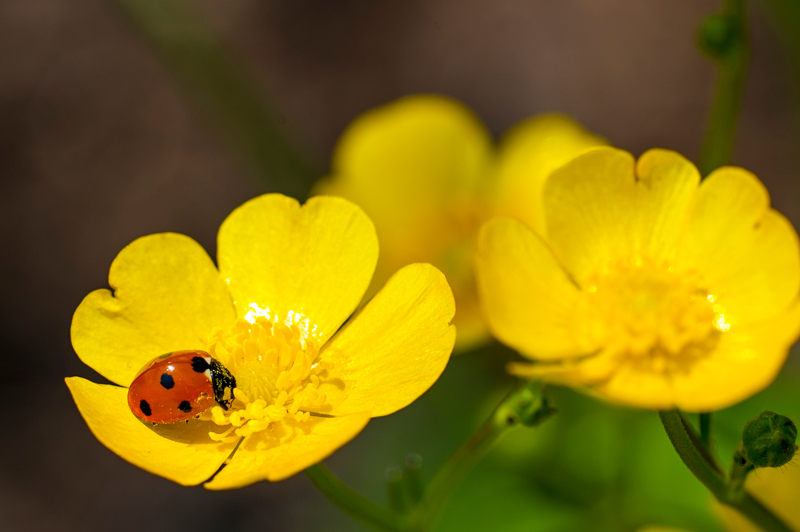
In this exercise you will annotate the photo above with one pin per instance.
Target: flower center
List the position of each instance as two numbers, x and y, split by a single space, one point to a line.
276 370
654 317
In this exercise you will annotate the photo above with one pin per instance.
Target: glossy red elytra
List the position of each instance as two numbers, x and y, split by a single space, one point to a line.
180 386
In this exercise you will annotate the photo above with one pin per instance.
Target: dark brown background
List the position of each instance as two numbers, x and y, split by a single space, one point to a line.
98 146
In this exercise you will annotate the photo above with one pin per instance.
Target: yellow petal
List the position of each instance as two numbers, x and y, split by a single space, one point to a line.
315 260
747 253
395 348
528 300
582 372
599 211
529 152
745 362
408 157
167 296
183 454
777 488
286 449
415 166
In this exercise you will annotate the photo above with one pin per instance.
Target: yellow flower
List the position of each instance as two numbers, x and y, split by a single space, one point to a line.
645 286
288 278
425 170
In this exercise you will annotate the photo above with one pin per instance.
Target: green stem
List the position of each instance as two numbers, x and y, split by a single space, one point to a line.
455 470
523 406
740 469
705 428
720 136
705 452
708 474
414 478
221 89
396 494
353 503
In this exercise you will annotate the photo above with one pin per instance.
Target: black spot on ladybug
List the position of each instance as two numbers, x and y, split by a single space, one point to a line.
199 364
167 381
144 406
185 406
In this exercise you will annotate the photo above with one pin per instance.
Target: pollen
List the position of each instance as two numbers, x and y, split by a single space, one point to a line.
653 317
277 375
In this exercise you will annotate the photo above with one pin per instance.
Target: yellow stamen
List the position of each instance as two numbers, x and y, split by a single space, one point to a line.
653 317
277 375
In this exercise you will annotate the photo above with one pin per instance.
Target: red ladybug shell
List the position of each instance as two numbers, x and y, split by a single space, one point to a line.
177 386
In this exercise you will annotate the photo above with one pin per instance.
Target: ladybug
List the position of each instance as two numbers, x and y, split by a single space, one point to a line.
179 386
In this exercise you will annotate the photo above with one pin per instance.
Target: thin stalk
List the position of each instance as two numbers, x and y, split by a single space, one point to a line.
704 451
525 406
705 428
414 478
219 86
456 469
353 503
710 477
396 495
721 132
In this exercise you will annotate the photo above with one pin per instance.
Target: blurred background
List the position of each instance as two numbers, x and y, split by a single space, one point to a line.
103 139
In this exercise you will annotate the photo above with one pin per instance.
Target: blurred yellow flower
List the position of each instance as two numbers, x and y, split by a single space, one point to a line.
425 170
645 286
288 278
777 488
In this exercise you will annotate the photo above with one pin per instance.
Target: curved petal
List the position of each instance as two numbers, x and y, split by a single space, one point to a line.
582 372
528 300
167 296
187 462
747 253
529 152
407 158
745 361
287 449
414 166
315 260
599 211
395 348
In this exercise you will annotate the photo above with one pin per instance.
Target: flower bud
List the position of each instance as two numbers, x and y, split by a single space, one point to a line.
529 406
769 440
719 33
